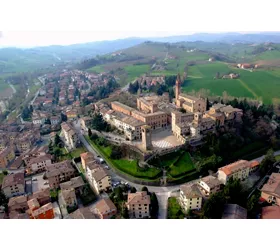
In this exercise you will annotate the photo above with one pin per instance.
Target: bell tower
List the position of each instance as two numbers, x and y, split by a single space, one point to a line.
178 86
146 137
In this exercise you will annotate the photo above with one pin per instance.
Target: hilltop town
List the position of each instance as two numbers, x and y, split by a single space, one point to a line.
84 148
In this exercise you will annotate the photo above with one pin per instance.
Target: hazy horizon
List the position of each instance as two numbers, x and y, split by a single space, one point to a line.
25 39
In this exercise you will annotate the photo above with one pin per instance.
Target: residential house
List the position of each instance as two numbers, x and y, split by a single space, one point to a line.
105 209
76 183
85 123
59 172
138 205
18 204
234 211
42 196
71 115
190 197
55 120
237 170
86 159
7 155
68 198
18 216
38 164
99 180
270 192
70 135
270 212
13 185
223 114
40 212
209 185
83 213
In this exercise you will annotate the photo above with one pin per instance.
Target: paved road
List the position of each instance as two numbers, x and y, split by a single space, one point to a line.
163 193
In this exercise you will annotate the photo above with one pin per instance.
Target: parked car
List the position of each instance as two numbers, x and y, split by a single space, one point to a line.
106 167
34 179
46 183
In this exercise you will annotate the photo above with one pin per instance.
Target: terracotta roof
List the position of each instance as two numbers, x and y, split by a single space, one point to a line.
17 200
73 183
83 213
42 209
45 193
271 212
99 174
6 151
105 206
211 181
16 215
191 191
86 155
273 185
59 168
33 204
138 198
254 164
40 159
13 179
68 193
234 167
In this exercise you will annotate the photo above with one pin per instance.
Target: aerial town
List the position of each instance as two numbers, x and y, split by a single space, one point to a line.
71 156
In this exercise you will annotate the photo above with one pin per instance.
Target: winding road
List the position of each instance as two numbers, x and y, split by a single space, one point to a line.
163 193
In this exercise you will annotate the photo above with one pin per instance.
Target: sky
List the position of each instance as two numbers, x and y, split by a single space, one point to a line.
46 22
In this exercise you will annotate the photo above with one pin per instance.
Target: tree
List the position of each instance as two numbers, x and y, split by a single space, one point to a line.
63 117
133 190
125 214
89 133
99 124
182 110
47 121
5 172
213 208
267 162
4 201
57 141
154 205
145 189
116 153
57 152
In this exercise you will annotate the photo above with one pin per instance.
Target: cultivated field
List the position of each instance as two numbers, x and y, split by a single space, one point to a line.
259 84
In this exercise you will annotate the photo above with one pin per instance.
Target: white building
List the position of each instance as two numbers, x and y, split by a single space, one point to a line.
190 197
209 185
237 170
128 124
98 178
71 137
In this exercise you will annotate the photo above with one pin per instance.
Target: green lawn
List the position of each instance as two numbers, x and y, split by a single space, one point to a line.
96 69
127 166
76 152
258 84
134 71
174 209
183 165
277 158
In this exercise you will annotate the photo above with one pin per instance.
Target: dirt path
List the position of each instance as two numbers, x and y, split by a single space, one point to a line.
248 88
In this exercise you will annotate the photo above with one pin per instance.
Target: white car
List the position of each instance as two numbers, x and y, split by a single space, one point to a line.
106 167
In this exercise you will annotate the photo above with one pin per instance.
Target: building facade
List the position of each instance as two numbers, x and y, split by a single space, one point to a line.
138 205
